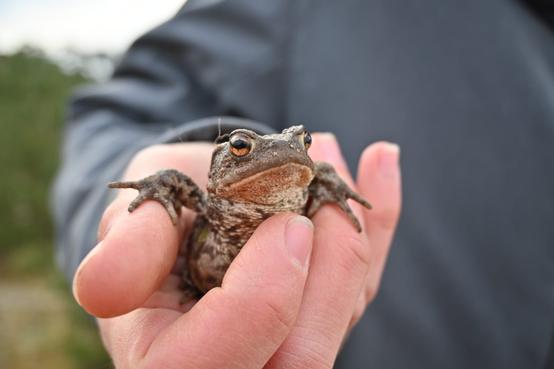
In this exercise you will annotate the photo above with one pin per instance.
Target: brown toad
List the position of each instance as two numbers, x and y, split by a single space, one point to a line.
251 178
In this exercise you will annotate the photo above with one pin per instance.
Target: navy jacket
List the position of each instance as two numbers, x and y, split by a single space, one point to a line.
465 87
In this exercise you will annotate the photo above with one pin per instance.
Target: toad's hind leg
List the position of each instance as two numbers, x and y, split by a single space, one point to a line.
170 188
327 187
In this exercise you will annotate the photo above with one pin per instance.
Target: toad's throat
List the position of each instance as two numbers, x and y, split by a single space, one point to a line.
285 184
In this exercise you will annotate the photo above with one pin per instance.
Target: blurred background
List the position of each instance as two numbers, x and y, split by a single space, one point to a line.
47 48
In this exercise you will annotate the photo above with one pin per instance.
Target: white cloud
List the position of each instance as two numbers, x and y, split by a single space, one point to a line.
91 26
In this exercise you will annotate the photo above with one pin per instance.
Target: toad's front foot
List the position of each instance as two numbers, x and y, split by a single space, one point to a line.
327 187
170 188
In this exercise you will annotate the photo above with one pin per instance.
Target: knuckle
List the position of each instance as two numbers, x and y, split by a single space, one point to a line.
269 311
370 292
308 352
355 253
307 357
358 312
278 315
387 218
367 295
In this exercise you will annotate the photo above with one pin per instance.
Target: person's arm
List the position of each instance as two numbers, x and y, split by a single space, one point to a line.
196 65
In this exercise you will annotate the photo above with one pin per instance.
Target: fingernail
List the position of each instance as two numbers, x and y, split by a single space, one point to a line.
388 160
74 291
74 288
79 270
298 238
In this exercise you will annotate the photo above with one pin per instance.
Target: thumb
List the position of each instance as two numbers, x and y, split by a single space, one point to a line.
245 321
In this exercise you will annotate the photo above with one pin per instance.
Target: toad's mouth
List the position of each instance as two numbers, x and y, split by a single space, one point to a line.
271 186
273 155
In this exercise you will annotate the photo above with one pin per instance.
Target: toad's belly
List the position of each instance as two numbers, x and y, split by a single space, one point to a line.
214 244
208 256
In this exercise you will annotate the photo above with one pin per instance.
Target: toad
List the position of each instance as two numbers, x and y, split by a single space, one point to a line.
251 177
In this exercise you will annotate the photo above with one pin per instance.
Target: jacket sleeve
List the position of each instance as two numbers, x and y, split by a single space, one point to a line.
213 59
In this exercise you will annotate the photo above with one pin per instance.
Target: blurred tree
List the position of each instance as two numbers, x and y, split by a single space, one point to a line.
40 321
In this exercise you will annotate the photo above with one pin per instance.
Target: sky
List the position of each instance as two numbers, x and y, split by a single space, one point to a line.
89 26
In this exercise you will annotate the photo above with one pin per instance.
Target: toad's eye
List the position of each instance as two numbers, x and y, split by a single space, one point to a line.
307 139
240 144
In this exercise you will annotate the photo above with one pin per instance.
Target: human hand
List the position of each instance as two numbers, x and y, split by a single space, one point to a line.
271 311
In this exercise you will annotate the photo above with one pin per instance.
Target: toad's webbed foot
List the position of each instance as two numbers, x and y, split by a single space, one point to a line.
327 187
170 188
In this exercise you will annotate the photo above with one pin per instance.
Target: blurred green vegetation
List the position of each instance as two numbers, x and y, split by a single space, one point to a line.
41 324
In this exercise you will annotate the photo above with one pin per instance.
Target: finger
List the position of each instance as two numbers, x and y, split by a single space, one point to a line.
241 324
379 180
338 271
129 263
325 148
136 251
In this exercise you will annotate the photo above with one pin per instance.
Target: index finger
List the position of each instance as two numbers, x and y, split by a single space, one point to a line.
136 251
339 266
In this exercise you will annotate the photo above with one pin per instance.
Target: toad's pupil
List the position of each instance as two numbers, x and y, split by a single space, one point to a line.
307 139
239 143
